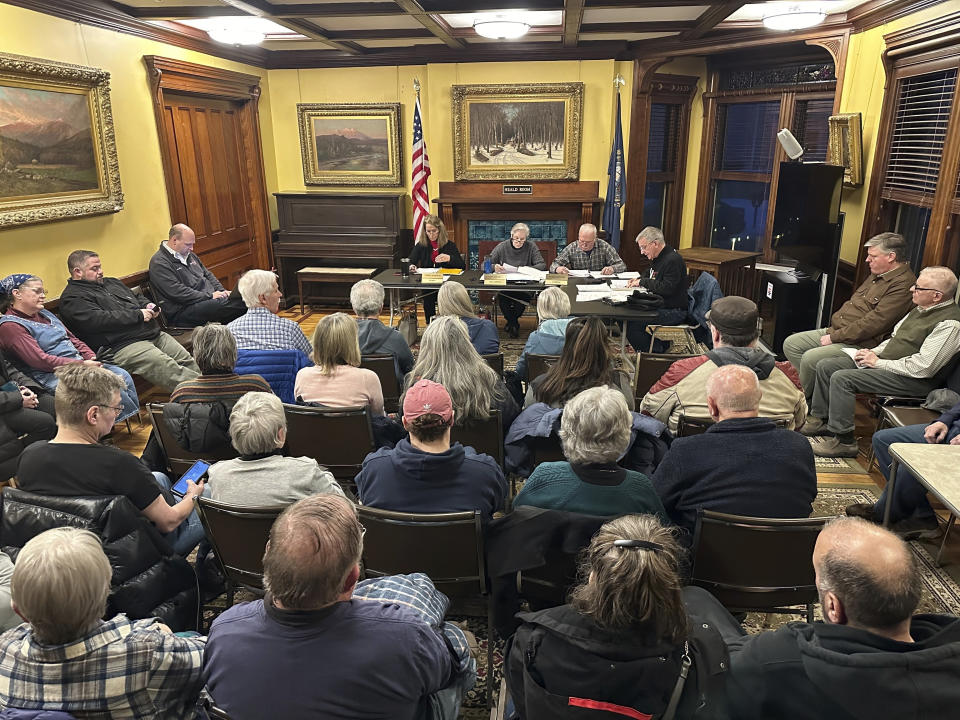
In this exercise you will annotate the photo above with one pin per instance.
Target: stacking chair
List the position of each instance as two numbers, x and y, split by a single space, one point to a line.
756 563
178 459
385 366
238 536
537 365
495 360
650 368
484 436
337 438
447 547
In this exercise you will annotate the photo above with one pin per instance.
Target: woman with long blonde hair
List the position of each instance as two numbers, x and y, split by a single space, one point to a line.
453 299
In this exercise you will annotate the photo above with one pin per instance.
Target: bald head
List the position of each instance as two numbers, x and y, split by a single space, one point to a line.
866 575
733 391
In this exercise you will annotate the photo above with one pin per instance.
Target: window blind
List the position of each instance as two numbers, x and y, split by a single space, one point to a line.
811 128
662 143
748 136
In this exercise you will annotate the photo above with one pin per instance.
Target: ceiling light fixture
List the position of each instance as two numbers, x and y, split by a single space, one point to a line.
794 18
497 27
235 31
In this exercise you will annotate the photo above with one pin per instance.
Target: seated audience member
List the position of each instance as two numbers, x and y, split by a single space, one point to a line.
337 380
519 253
620 643
66 658
913 361
27 416
870 658
447 357
262 476
911 515
433 249
215 351
107 316
452 299
588 253
75 464
190 294
38 342
866 318
667 279
8 617
585 362
553 311
594 433
425 474
338 649
743 464
734 327
375 338
260 328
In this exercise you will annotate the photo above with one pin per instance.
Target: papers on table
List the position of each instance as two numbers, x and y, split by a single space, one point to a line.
442 271
616 291
579 273
629 275
524 273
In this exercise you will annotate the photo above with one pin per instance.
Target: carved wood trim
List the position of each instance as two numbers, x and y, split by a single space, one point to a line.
837 47
878 12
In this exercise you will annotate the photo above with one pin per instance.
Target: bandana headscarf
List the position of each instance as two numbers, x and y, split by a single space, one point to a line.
12 282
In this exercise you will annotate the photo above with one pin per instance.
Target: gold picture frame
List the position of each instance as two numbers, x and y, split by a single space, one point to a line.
350 143
845 147
539 126
58 153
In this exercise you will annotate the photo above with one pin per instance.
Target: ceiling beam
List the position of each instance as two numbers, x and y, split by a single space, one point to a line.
430 22
572 17
263 9
636 27
710 19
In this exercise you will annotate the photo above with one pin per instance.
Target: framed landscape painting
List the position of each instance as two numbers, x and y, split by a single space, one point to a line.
517 132
58 155
350 144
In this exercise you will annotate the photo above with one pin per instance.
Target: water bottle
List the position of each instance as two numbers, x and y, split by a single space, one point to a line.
487 266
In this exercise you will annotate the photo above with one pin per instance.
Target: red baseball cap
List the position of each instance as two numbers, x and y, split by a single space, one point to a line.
427 398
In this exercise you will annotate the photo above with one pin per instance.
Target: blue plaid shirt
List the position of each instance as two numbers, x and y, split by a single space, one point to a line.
121 669
260 329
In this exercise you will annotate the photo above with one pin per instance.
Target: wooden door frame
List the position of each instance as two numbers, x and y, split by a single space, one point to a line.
179 76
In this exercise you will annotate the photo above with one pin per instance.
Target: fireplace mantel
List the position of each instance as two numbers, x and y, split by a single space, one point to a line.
461 202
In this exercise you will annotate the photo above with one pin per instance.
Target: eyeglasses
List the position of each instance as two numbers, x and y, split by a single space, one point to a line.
38 291
917 288
363 530
116 409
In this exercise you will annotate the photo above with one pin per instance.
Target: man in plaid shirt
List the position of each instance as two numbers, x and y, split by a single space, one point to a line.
260 328
588 253
337 648
66 658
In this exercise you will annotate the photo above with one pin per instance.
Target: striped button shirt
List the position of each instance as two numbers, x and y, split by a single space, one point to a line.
260 329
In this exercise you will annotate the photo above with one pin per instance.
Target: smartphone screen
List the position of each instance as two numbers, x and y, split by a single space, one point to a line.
195 472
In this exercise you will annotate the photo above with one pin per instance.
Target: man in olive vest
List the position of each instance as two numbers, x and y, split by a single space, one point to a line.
915 359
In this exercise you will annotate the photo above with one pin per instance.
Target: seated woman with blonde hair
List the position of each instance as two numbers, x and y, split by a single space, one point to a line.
453 299
447 357
623 641
337 380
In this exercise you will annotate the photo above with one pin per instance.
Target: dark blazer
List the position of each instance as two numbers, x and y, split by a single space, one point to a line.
420 256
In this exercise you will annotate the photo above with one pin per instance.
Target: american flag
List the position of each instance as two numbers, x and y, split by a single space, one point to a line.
421 171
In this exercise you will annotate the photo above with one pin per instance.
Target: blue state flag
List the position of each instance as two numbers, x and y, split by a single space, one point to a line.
616 185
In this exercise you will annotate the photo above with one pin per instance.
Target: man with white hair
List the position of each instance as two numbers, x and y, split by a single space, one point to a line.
667 279
260 328
66 658
189 294
743 464
366 297
913 361
588 253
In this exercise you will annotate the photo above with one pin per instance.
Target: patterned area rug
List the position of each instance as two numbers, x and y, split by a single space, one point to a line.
839 466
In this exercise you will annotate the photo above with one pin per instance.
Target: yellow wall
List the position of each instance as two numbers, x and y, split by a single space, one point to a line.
128 238
863 88
395 84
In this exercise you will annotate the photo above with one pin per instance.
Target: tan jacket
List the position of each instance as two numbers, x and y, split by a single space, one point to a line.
875 307
683 391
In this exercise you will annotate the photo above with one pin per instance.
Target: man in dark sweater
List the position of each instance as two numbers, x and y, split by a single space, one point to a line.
189 293
516 252
743 464
913 361
870 658
668 279
425 474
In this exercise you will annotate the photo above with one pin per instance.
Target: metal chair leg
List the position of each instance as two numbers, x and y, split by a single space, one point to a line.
946 534
490 641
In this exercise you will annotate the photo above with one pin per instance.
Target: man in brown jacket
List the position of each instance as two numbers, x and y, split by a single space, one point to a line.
866 318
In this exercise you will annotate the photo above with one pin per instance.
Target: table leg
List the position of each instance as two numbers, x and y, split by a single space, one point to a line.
300 291
946 534
894 466
393 294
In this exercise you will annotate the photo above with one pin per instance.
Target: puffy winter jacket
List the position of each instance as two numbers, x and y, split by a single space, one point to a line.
278 367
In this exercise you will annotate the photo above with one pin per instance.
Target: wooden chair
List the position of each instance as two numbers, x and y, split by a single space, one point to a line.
385 366
537 365
337 438
447 547
495 360
756 563
484 436
178 459
687 426
238 536
650 368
